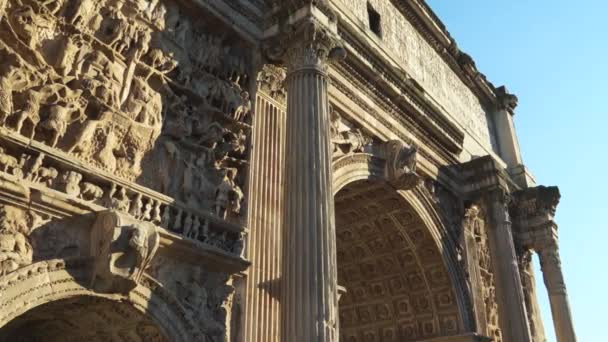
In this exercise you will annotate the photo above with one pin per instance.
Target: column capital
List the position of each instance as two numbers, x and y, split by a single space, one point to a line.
306 39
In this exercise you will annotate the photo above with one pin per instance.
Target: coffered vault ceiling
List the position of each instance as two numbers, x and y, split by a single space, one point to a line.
397 285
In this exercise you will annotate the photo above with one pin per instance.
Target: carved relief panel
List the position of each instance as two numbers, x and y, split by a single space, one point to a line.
481 274
207 297
127 86
137 106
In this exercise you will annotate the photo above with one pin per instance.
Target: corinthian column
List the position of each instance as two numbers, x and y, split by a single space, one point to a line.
556 287
535 211
513 315
309 296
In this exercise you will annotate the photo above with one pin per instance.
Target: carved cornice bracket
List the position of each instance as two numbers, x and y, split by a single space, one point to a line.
306 39
505 100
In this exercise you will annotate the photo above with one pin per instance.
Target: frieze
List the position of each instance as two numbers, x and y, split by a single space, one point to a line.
46 171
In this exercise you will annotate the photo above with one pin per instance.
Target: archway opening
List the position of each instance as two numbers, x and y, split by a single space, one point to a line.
82 318
397 285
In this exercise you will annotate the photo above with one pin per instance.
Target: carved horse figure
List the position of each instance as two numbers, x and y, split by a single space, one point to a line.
30 112
64 104
7 161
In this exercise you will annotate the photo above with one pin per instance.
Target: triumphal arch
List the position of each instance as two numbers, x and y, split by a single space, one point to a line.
262 171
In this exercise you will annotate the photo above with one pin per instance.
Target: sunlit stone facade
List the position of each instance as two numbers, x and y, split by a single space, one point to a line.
261 171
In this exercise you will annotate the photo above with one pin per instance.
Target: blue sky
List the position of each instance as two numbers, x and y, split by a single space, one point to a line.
553 55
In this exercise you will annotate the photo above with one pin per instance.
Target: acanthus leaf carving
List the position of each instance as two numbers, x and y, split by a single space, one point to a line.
308 42
271 80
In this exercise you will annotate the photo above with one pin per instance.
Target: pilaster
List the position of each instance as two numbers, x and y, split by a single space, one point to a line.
506 137
262 292
307 43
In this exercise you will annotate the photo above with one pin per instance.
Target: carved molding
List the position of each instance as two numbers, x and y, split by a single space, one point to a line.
57 279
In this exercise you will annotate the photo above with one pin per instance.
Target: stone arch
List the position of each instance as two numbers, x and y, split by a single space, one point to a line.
412 220
353 167
53 281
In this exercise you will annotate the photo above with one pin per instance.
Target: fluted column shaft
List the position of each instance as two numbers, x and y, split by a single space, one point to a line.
310 273
537 330
512 310
558 297
309 296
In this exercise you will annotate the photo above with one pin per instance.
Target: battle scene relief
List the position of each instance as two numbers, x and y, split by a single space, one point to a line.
138 106
124 123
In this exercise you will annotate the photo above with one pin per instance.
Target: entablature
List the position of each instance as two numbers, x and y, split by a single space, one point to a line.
437 80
